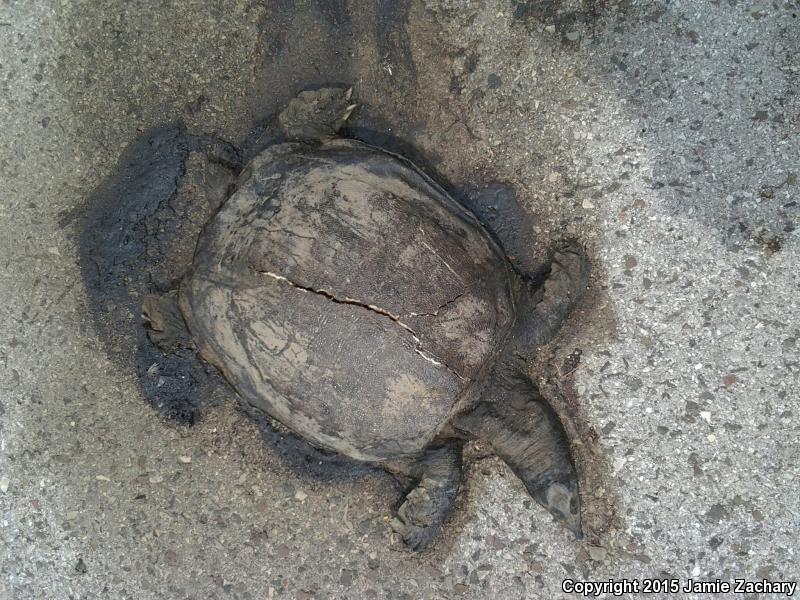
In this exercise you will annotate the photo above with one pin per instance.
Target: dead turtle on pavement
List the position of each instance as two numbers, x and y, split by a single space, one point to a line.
344 293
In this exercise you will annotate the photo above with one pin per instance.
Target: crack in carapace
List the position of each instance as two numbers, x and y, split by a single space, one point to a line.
438 310
376 309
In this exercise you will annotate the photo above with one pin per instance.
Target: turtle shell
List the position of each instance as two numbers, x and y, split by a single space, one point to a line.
344 293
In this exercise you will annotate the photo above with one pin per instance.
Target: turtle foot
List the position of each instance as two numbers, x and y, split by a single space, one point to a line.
565 285
164 323
418 519
569 273
317 114
421 515
426 506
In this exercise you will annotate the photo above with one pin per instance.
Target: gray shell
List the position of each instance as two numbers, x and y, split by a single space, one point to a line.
349 297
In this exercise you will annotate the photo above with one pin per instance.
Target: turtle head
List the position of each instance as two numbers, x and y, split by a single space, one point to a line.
561 500
525 431
317 114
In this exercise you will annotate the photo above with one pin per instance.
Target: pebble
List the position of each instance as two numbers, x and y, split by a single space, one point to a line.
573 36
4 484
156 479
102 478
587 204
493 81
185 459
716 513
597 553
300 495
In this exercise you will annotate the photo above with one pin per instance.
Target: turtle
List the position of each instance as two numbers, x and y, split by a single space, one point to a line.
346 294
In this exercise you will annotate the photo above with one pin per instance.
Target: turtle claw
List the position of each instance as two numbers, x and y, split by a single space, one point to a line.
164 322
570 271
419 518
317 114
426 506
414 538
565 285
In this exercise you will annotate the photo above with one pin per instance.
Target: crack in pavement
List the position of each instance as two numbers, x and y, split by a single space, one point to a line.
376 309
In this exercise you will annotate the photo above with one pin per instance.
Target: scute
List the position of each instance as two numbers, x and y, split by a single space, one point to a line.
348 296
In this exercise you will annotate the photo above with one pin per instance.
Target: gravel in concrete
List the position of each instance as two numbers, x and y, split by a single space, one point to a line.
665 136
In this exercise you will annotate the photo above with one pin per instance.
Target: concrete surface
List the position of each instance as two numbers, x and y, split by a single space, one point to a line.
664 135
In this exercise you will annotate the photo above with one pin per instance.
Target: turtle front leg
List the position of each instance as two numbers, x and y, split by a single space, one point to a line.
437 475
564 286
526 433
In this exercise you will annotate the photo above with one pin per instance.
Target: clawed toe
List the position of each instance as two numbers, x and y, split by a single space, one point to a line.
437 474
415 538
421 515
571 262
417 519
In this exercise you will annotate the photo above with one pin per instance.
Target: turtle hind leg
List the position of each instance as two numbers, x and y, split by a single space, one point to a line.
437 476
175 384
526 433
550 305
164 322
171 377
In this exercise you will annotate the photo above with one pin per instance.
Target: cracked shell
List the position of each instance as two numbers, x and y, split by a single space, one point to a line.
345 294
